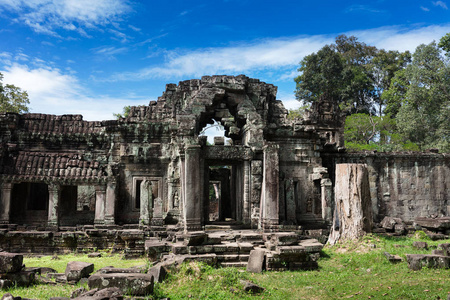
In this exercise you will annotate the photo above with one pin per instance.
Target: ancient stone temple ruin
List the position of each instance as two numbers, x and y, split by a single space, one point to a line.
153 169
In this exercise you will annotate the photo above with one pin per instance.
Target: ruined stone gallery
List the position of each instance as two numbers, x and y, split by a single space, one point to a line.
153 171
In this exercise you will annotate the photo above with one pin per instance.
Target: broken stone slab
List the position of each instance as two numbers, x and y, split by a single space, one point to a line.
389 223
22 278
250 287
311 245
420 245
159 272
9 296
59 277
435 224
95 254
108 270
256 261
418 261
136 284
101 294
195 238
10 262
155 249
76 270
439 252
436 236
393 258
284 238
40 270
445 247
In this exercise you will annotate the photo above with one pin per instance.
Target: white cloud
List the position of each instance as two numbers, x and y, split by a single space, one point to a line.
275 55
440 4
52 92
109 52
47 16
424 8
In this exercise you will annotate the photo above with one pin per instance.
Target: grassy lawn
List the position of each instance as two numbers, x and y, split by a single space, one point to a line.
356 270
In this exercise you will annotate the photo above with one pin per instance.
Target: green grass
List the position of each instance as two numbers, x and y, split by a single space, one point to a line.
357 270
64 290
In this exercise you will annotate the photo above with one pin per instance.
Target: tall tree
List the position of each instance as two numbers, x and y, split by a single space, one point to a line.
12 98
424 114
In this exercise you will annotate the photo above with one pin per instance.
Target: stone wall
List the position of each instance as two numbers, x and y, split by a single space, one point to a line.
403 185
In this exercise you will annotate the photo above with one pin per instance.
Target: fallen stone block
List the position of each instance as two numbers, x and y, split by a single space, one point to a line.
101 294
159 272
418 261
433 223
108 270
256 261
311 245
155 249
284 238
195 238
250 287
420 245
389 223
59 277
10 262
22 278
76 270
436 236
393 258
136 284
40 270
94 254
439 252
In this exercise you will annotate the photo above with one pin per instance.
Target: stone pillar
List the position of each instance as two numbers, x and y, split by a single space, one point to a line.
192 188
146 202
353 206
100 197
110 205
246 218
54 194
157 218
270 187
291 206
6 202
327 197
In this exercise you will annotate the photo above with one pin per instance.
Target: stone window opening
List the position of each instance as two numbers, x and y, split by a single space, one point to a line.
36 195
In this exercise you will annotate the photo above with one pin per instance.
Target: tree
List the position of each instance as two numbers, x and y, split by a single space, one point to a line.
425 106
12 98
444 43
125 112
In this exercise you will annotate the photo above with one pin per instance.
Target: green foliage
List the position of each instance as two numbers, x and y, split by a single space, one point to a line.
12 98
124 114
367 133
299 112
425 106
444 43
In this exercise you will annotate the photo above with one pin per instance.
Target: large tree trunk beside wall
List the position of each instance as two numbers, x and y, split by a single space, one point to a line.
353 209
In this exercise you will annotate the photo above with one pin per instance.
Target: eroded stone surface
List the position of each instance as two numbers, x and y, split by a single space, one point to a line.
131 283
76 270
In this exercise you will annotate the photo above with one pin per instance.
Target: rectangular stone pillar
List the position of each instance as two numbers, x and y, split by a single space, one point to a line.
246 218
146 202
54 194
110 207
327 197
5 203
193 205
100 197
270 187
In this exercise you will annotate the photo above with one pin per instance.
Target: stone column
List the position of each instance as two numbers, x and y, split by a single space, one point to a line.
270 187
146 202
54 194
290 204
327 197
5 203
192 188
246 218
100 197
110 206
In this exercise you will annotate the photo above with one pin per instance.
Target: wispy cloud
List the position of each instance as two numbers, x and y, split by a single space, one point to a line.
440 4
361 7
49 16
109 52
275 55
424 8
53 92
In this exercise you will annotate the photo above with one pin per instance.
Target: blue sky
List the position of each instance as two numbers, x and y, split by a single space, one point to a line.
95 56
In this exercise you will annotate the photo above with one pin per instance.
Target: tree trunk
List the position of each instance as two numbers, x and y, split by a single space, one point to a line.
353 207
